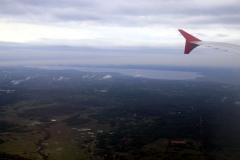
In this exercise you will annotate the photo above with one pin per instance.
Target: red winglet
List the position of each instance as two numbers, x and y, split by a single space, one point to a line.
189 38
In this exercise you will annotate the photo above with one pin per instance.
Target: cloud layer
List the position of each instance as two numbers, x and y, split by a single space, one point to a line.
114 31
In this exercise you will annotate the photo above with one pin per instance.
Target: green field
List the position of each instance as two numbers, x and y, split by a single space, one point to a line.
118 118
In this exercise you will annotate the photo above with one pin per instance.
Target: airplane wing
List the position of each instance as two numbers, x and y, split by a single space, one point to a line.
192 42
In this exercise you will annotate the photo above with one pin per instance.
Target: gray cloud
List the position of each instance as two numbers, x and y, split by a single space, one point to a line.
27 52
226 20
95 44
222 35
122 12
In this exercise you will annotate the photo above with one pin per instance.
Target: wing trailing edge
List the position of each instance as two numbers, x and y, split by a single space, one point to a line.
192 42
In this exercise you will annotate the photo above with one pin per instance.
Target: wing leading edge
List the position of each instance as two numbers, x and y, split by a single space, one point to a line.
192 42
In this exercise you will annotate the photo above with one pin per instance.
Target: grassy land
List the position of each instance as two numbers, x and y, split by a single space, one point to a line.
133 118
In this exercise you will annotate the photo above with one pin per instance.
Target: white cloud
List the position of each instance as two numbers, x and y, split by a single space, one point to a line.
237 102
107 77
138 75
28 78
17 81
61 78
85 76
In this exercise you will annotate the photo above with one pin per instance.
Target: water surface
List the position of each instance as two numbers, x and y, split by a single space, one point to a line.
154 74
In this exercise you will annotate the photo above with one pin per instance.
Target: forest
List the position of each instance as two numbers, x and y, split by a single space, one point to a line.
59 114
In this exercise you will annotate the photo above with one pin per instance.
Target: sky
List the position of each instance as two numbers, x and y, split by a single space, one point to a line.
116 32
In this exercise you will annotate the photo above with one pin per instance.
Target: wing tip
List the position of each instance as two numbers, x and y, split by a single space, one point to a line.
189 38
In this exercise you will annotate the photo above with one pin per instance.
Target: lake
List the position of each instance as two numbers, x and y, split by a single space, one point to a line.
154 74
